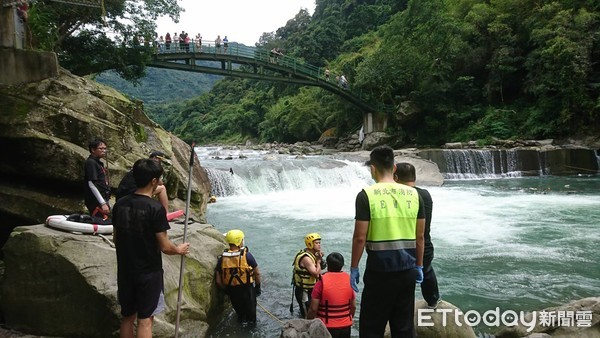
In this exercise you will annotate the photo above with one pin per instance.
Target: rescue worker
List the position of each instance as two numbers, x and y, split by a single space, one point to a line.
333 300
389 224
238 275
308 264
406 174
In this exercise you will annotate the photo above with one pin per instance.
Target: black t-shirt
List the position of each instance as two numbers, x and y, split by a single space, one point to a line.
127 185
94 171
428 203
136 221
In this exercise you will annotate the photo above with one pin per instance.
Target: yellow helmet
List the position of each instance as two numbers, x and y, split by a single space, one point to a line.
310 238
235 237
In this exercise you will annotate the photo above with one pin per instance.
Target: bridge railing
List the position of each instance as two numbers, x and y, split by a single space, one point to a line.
236 49
239 50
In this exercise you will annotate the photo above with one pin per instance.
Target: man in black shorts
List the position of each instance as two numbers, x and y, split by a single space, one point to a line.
95 177
140 235
406 174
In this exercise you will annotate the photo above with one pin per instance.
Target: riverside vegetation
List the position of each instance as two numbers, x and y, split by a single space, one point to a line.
470 69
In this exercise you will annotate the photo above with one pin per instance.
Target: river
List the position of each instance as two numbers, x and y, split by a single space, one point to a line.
513 243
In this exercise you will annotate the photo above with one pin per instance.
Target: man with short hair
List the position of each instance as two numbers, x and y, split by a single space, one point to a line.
127 185
95 177
140 235
308 264
389 224
333 300
406 174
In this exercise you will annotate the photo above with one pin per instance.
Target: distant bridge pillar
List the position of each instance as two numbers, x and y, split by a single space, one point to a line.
373 122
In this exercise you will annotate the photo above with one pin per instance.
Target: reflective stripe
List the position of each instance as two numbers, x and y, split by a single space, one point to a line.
391 245
232 253
394 208
391 237
235 268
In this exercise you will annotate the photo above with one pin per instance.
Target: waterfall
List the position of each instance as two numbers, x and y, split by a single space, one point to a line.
261 173
474 163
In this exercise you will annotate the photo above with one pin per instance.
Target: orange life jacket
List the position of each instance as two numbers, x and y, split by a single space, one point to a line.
235 269
336 298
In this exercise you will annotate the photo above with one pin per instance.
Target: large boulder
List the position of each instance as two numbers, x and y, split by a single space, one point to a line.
439 322
304 328
375 139
45 128
428 173
62 284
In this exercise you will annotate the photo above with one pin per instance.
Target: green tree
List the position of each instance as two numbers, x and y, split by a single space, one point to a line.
559 65
73 31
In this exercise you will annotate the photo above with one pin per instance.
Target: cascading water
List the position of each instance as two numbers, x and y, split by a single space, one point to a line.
516 162
518 243
260 173
470 164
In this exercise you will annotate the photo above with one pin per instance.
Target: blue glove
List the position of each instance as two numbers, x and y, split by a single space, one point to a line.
419 274
354 278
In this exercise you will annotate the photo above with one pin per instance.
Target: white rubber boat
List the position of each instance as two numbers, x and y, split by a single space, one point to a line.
61 222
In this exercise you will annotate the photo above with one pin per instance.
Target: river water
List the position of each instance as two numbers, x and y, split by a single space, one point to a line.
515 243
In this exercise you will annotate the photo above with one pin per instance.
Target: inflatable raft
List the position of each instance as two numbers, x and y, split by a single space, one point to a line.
61 222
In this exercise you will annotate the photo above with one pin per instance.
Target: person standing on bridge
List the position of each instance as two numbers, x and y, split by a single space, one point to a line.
225 44
182 40
344 81
218 44
176 40
198 42
187 40
168 41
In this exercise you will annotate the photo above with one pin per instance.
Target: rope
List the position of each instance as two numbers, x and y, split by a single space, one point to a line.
112 245
269 313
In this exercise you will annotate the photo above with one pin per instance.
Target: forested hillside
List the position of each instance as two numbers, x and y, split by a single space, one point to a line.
161 85
471 70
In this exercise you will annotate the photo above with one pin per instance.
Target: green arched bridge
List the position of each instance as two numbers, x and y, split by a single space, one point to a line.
260 64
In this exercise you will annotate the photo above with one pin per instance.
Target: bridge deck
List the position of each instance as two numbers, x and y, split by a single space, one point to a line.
250 62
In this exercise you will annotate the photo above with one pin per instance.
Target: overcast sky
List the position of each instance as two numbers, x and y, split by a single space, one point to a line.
242 21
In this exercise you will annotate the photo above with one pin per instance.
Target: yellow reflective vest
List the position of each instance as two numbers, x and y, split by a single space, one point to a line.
391 238
302 278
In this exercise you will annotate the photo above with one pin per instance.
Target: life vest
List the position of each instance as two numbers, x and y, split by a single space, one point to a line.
235 269
302 278
337 296
391 238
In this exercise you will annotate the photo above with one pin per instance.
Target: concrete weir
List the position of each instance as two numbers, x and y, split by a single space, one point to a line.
483 163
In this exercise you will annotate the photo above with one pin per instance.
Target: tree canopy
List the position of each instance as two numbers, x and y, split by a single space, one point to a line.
471 70
92 39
